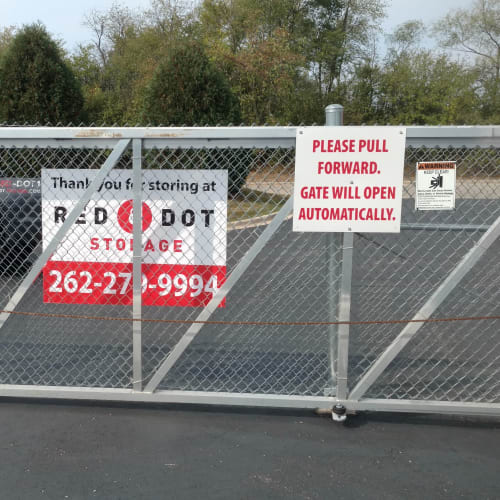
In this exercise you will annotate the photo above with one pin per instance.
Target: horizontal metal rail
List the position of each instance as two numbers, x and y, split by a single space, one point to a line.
227 137
247 400
153 137
411 226
418 406
189 397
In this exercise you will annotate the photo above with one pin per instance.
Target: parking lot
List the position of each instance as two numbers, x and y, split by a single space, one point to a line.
60 451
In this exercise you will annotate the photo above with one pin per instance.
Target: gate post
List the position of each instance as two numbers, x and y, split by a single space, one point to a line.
137 266
339 299
334 117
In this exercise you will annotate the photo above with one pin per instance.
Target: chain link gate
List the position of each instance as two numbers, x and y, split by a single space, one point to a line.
273 344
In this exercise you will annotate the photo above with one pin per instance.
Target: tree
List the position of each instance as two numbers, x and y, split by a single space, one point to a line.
258 44
36 84
6 36
418 86
363 95
265 76
406 38
188 89
126 47
228 22
325 39
428 90
340 33
88 71
109 28
170 18
476 31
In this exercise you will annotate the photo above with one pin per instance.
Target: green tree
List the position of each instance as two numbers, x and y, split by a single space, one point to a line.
418 86
112 64
476 31
126 47
6 36
189 89
265 77
362 89
324 40
361 104
340 33
88 71
36 84
228 23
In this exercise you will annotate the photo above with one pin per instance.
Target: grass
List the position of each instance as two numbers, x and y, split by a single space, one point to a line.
250 203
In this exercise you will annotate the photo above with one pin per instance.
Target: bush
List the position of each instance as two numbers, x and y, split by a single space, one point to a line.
36 85
187 89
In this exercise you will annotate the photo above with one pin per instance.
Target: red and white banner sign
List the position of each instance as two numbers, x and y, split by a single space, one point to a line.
184 215
349 179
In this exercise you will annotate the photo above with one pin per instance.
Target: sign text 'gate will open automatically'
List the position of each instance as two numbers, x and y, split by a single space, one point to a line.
349 179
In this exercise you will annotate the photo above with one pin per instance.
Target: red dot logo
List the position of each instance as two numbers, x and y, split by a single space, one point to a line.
125 216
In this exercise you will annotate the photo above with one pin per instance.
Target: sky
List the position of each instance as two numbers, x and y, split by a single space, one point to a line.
63 18
399 11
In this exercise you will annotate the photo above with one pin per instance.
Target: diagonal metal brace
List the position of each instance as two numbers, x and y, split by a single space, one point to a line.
110 162
426 311
211 307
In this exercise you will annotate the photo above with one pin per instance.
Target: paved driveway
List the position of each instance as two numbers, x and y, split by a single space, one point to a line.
59 451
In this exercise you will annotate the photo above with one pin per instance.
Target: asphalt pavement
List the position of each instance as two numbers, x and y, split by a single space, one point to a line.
62 451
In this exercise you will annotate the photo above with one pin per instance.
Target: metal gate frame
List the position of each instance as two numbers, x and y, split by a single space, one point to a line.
119 140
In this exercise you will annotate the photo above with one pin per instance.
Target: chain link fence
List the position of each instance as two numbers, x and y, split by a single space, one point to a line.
394 275
87 342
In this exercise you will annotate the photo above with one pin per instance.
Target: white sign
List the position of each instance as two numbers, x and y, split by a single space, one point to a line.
184 216
349 179
435 185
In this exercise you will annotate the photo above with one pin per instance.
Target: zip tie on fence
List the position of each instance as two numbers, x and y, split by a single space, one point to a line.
256 323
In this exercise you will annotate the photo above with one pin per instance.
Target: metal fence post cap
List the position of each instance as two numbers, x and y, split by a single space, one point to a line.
333 107
334 114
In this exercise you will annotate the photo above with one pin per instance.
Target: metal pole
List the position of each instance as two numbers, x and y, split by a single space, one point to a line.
137 266
344 314
334 117
333 243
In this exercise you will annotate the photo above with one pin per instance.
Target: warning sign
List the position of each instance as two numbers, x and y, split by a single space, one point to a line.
435 185
349 179
183 237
